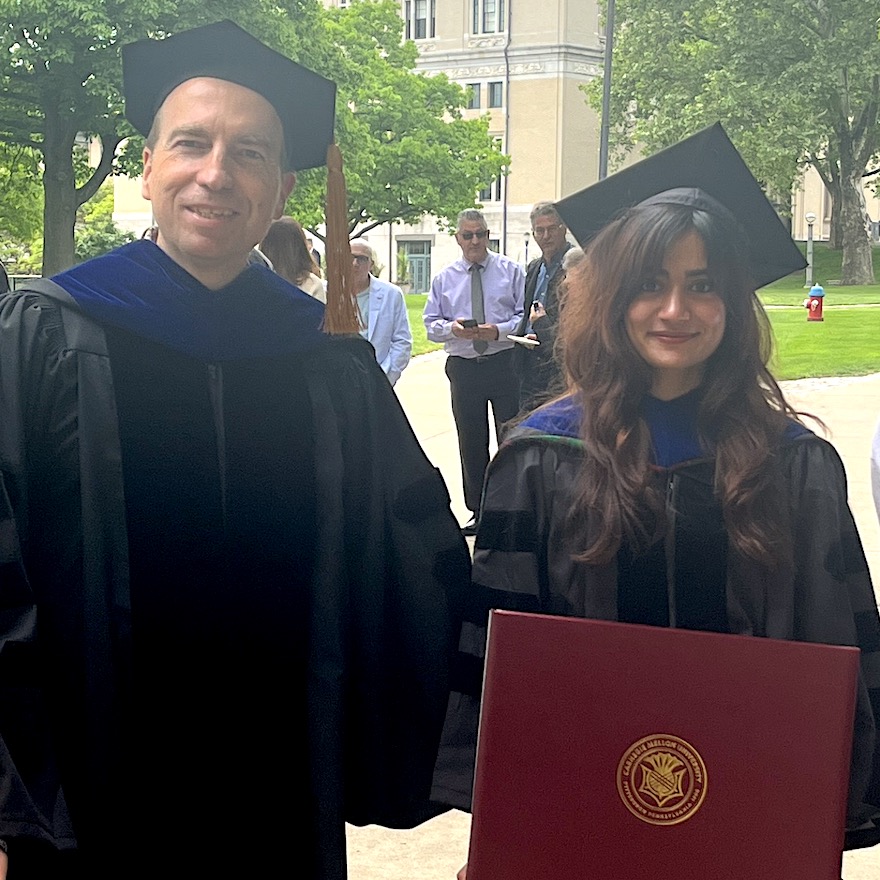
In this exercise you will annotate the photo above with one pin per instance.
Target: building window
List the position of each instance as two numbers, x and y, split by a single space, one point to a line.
415 256
419 19
492 193
473 96
488 16
496 94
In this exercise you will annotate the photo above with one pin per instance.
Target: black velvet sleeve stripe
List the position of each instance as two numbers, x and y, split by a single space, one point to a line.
480 600
863 838
852 554
513 531
466 672
466 675
868 629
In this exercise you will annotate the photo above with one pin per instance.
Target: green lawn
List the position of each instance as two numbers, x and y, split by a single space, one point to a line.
846 343
415 305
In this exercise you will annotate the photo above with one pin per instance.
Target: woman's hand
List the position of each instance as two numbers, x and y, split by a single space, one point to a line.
461 875
4 864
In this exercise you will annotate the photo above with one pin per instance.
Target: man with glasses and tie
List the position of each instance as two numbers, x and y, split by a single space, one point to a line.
473 305
536 367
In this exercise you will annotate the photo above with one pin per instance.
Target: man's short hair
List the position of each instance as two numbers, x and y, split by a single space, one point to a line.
364 244
544 209
471 215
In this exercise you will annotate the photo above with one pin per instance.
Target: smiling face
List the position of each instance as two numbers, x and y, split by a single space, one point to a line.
213 174
677 319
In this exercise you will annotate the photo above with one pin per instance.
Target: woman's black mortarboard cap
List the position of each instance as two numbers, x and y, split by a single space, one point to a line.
706 161
304 101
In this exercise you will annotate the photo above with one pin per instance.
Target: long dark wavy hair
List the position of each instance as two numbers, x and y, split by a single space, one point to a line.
742 414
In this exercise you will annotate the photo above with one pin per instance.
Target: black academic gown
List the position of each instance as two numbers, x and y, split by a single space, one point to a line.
240 572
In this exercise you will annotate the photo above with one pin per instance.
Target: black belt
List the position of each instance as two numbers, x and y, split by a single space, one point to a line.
480 358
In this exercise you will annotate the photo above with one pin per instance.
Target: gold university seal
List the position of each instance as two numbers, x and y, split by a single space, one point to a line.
662 779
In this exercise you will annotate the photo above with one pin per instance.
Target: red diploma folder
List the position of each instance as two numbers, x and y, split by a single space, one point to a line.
621 752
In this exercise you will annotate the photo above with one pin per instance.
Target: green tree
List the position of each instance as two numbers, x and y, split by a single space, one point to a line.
96 232
795 83
407 150
21 208
61 82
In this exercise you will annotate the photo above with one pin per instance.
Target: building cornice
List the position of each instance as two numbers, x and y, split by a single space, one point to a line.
576 62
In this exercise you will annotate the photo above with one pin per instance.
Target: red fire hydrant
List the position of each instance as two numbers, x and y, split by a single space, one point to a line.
813 303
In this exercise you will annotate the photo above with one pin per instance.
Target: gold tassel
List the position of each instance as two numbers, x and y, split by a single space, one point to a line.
341 315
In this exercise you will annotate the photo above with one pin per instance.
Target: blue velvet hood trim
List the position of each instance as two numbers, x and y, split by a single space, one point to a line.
673 425
139 288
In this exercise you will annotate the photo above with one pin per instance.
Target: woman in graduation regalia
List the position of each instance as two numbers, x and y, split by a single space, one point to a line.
672 484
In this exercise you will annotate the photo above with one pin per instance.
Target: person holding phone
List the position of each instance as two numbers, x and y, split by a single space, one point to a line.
473 305
536 366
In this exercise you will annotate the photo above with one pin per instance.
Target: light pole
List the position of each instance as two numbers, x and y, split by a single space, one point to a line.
810 217
606 91
526 248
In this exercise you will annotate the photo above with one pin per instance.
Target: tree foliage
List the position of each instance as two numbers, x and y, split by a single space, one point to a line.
407 150
21 208
795 83
96 233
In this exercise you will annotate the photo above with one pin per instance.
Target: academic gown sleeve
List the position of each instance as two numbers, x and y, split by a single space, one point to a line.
390 562
31 802
833 602
526 484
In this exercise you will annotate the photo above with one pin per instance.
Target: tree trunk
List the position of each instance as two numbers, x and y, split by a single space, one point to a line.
59 186
835 230
857 266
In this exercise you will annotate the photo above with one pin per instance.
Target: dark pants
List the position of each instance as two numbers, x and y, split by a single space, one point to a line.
540 377
474 384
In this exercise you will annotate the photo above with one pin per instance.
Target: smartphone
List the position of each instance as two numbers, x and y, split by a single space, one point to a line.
468 322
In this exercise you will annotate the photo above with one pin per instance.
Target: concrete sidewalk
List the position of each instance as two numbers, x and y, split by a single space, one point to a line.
849 407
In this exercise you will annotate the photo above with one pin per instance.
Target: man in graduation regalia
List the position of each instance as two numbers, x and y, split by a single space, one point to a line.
226 561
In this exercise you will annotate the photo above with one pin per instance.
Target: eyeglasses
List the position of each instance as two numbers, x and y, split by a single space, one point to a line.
541 231
481 233
360 259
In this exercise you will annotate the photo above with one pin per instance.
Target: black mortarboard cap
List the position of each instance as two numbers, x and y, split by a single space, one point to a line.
706 161
304 101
